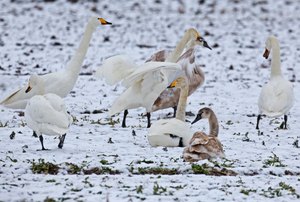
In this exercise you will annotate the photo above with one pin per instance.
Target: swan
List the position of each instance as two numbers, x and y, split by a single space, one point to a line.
203 146
173 132
119 67
61 82
277 96
46 113
145 85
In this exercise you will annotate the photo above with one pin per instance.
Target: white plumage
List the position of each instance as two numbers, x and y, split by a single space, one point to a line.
277 96
61 82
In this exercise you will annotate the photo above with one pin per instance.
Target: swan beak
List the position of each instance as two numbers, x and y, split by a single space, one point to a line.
173 84
28 89
198 117
266 53
104 22
206 45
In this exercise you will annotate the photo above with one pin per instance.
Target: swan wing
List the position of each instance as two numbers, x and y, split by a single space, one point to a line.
40 111
145 86
115 69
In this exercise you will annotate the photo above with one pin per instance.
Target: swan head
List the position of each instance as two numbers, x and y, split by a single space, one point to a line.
95 21
179 82
33 81
203 113
196 39
268 46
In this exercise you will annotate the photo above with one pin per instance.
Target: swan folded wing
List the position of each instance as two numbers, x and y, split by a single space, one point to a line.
41 112
115 69
276 99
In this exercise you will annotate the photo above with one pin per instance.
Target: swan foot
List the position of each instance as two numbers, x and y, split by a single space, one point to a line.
34 134
283 124
61 141
148 119
257 123
124 118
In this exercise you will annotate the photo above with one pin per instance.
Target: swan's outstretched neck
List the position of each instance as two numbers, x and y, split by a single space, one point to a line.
275 64
77 59
184 93
175 54
213 125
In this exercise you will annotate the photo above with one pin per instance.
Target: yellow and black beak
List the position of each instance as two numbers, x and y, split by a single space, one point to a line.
266 53
28 89
104 22
173 84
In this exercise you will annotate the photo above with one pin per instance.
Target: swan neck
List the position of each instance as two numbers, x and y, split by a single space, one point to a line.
75 63
176 53
213 125
275 63
184 92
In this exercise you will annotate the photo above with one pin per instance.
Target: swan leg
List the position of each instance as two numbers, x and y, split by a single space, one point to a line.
34 134
180 143
285 121
42 142
124 118
61 141
175 110
148 119
257 123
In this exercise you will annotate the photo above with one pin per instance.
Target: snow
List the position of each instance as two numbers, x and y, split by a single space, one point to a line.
40 37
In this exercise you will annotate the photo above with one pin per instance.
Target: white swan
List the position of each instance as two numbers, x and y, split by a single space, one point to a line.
173 132
277 96
46 113
204 146
145 85
62 82
119 67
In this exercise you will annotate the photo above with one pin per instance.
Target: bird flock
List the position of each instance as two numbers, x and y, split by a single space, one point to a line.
165 80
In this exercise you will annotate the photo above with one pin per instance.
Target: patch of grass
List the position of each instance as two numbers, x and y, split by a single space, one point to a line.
108 121
229 122
139 189
226 163
144 161
104 162
158 190
156 171
208 170
73 168
296 144
49 200
247 191
100 171
273 161
50 181
42 167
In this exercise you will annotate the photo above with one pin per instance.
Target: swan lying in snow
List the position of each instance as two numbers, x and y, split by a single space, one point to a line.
119 67
173 132
46 113
62 82
277 96
203 146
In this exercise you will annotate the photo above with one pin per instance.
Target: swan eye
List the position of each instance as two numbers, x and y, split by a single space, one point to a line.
199 38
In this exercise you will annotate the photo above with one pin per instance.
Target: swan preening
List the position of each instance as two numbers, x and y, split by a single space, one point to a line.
61 82
119 67
202 146
173 132
277 96
46 113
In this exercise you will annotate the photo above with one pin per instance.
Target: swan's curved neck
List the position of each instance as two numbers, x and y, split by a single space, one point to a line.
184 93
275 63
213 125
77 59
176 53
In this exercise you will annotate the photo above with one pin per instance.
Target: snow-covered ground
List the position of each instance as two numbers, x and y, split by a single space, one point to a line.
40 37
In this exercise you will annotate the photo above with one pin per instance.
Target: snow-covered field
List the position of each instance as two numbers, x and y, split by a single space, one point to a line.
102 161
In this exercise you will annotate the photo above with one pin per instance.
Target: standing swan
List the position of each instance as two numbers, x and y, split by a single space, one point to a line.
119 67
173 132
204 146
277 96
62 82
46 113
